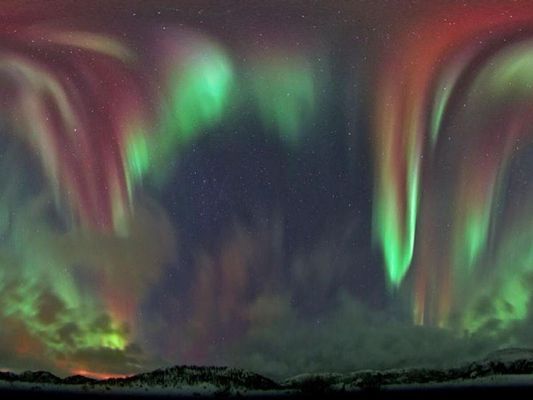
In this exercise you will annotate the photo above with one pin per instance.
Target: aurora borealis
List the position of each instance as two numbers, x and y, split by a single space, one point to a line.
276 186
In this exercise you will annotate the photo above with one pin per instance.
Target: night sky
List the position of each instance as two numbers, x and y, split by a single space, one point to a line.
286 187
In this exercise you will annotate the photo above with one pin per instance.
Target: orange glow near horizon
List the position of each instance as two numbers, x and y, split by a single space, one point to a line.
98 375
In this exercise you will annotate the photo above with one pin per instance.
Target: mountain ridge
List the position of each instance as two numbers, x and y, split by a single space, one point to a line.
216 380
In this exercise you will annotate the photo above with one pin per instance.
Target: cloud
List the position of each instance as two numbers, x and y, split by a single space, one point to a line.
127 361
68 297
350 337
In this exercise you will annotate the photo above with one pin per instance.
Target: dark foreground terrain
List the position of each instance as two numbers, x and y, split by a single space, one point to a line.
507 372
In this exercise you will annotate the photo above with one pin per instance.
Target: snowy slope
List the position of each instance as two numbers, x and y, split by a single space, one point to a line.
501 368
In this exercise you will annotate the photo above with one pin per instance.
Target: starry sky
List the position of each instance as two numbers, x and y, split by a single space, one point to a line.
286 187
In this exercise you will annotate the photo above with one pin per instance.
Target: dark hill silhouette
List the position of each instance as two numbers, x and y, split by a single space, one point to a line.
223 381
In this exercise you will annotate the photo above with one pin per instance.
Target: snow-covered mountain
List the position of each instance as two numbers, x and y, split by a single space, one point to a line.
502 363
498 368
181 380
